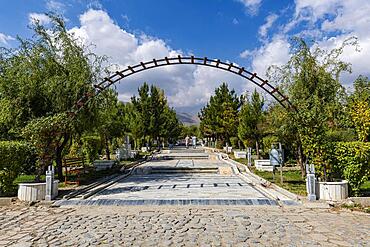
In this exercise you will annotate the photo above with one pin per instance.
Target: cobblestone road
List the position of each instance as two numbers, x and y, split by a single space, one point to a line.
182 226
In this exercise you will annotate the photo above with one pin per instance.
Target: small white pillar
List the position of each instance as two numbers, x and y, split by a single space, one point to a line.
311 182
49 183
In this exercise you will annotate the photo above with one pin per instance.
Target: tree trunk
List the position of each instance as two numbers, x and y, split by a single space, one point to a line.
300 160
58 156
107 152
257 150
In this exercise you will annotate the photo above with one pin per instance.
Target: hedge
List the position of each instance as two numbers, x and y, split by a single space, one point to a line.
15 157
352 162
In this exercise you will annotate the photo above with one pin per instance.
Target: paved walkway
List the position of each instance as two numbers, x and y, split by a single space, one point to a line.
182 226
179 182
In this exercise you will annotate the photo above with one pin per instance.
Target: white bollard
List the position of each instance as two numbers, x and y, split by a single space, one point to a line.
49 183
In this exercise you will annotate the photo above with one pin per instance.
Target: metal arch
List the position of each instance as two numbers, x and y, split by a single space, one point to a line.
155 63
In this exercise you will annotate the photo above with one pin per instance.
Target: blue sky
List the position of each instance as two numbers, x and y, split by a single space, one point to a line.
251 33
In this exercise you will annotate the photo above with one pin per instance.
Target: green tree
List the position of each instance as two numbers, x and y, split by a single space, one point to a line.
45 76
111 121
359 108
311 81
251 118
171 129
219 117
156 120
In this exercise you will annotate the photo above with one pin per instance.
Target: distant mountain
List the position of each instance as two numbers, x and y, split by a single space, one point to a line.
187 119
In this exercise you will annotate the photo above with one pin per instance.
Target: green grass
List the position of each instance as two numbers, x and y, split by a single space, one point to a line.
292 180
27 178
365 189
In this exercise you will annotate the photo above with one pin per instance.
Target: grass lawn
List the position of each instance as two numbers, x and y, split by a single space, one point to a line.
365 189
84 179
292 180
27 178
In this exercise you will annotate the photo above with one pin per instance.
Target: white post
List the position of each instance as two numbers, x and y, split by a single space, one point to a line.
310 182
49 183
249 156
281 160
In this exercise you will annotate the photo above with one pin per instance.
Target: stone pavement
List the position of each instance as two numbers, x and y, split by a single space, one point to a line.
182 226
178 188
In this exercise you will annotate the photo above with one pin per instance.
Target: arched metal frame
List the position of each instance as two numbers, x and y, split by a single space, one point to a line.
155 63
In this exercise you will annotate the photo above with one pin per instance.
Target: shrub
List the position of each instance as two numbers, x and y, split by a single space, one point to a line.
220 144
352 162
234 142
91 146
15 157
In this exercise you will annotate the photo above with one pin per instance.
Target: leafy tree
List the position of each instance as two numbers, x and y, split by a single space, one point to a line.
172 127
311 80
192 130
45 134
45 76
134 124
111 119
360 113
219 117
251 118
352 163
359 108
155 120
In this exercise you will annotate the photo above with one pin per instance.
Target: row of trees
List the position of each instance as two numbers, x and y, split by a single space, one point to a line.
228 119
152 119
41 81
325 117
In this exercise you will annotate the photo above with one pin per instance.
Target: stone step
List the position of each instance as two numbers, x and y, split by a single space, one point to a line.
195 201
186 151
184 170
185 157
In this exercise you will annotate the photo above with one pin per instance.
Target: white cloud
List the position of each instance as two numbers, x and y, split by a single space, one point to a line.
246 53
315 9
53 5
252 6
268 24
42 18
186 86
94 4
275 52
329 23
5 38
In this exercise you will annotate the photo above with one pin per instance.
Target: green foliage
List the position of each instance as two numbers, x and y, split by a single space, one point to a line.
251 118
362 89
268 141
154 119
311 81
352 162
234 141
91 146
15 157
45 133
341 135
42 78
171 129
360 113
191 130
219 118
